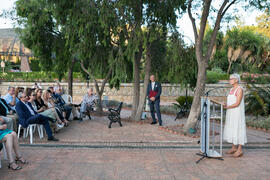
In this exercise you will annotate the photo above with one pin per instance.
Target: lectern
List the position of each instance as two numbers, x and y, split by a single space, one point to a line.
211 110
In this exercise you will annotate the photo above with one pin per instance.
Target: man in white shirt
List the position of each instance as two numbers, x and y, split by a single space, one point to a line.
27 115
89 101
153 94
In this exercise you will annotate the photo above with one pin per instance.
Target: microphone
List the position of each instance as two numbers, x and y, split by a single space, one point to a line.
207 93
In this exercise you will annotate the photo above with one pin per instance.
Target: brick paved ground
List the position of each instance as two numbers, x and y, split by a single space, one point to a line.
119 164
89 150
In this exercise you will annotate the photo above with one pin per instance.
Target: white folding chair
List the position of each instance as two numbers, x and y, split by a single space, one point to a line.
30 130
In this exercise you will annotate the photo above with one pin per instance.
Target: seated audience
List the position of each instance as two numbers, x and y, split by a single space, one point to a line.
9 138
49 102
27 115
11 98
41 108
60 103
68 101
17 90
89 101
4 111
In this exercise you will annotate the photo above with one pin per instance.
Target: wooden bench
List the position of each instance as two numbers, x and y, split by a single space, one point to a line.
114 115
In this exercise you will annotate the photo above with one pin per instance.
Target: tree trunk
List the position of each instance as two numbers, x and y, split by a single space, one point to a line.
137 59
145 83
200 87
136 83
99 94
101 90
70 77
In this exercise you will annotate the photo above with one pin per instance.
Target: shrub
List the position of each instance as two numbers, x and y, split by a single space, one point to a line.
214 77
182 99
259 122
37 76
258 100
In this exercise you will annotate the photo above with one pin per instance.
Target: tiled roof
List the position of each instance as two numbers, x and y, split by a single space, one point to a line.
11 44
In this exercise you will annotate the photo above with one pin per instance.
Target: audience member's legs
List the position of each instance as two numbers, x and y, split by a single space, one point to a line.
74 111
8 121
15 144
8 141
68 110
39 119
83 109
15 121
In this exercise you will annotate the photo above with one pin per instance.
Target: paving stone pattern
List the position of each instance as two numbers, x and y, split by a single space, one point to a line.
90 150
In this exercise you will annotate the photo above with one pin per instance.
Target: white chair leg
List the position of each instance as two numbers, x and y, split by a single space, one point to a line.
19 130
27 131
41 130
31 134
4 152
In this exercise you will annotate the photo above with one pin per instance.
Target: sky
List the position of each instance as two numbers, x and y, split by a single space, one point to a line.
184 23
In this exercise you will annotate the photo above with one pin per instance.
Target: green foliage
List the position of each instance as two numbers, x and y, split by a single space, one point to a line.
258 100
34 65
43 35
181 64
262 122
247 40
181 100
220 60
213 77
37 76
207 39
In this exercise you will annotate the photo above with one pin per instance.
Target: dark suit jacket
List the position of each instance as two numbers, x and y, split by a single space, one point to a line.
3 111
157 88
24 113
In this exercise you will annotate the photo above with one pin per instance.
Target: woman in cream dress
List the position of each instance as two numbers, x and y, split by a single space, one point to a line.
235 125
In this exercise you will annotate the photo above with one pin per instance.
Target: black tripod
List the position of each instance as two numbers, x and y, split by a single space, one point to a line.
204 154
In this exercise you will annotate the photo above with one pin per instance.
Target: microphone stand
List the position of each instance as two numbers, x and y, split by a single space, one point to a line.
205 155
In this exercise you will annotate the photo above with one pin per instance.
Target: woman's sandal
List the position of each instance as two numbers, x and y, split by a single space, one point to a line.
231 151
238 154
21 160
14 166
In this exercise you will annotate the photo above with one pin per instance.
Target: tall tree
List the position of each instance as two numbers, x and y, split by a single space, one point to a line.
90 28
44 36
216 14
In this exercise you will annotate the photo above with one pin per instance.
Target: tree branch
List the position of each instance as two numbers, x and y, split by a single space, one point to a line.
192 20
220 14
106 79
205 14
87 72
225 10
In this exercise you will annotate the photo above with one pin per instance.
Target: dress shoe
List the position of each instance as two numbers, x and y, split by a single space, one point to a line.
153 123
52 138
160 125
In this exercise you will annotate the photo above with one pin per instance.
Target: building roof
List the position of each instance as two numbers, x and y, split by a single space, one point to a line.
11 45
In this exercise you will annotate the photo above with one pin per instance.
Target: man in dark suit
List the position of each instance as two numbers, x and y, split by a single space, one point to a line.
27 115
4 111
153 94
